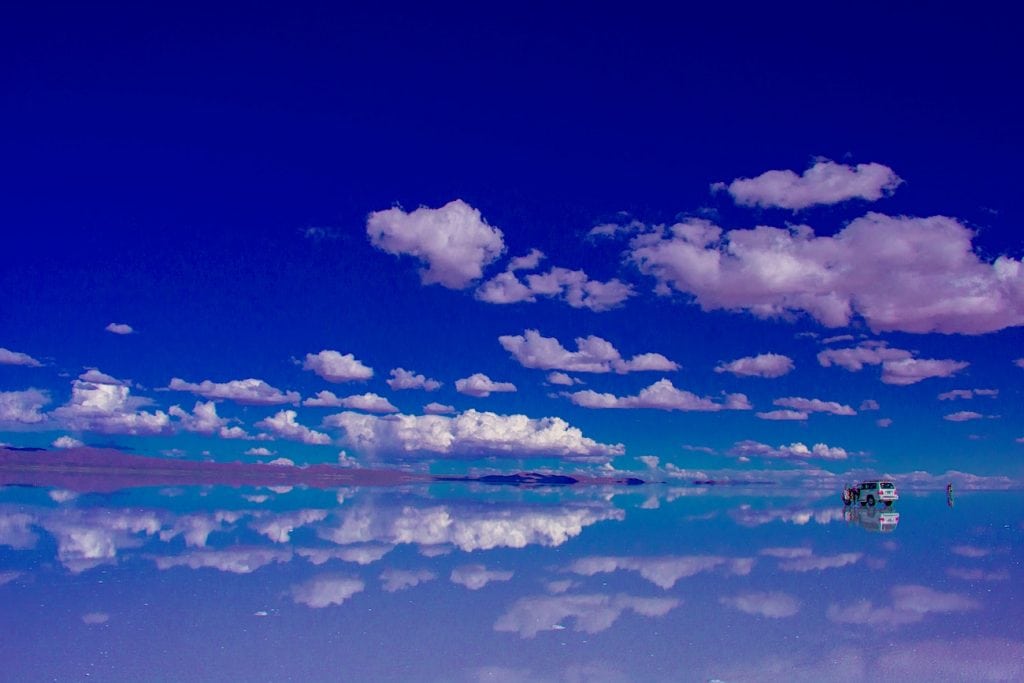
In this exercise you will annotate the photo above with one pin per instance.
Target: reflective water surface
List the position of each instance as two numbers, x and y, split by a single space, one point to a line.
467 582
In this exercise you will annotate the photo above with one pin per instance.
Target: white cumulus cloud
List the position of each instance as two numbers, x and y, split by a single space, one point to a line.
767 365
284 425
572 286
482 386
471 433
253 392
662 395
22 407
796 450
119 328
335 367
408 379
826 182
102 403
454 241
369 402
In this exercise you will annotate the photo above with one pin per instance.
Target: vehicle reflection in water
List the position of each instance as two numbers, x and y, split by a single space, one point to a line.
872 519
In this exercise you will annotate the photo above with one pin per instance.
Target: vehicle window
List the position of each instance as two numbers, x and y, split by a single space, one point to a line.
887 485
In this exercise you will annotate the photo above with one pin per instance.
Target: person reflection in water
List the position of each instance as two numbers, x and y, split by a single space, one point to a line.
949 494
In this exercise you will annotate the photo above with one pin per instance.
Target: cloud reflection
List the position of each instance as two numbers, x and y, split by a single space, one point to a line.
591 613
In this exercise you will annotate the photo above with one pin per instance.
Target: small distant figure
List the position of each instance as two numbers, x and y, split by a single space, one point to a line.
949 494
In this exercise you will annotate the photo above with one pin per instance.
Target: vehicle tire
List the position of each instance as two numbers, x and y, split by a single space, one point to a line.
862 503
888 503
871 501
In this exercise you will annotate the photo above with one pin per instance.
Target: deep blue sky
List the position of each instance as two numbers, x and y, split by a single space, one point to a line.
161 168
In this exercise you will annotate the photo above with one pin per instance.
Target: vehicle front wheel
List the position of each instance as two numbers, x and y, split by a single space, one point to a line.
871 501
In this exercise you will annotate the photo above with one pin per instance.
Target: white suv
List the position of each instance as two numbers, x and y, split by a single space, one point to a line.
871 492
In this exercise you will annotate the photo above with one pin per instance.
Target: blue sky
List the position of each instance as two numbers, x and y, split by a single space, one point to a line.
244 192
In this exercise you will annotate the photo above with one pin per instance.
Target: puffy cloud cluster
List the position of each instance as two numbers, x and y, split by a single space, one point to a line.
22 407
102 403
908 604
66 442
774 605
898 273
662 395
119 328
592 354
335 367
591 613
471 433
284 425
454 241
769 365
482 386
251 392
663 572
747 449
369 402
476 576
407 379
899 367
572 286
8 357
826 182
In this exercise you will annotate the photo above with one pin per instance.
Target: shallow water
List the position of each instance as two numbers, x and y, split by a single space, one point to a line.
463 582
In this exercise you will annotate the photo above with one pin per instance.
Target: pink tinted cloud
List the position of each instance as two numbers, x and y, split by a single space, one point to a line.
592 354
797 450
253 392
572 286
8 357
402 379
963 416
814 405
826 182
897 273
482 386
768 365
899 367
